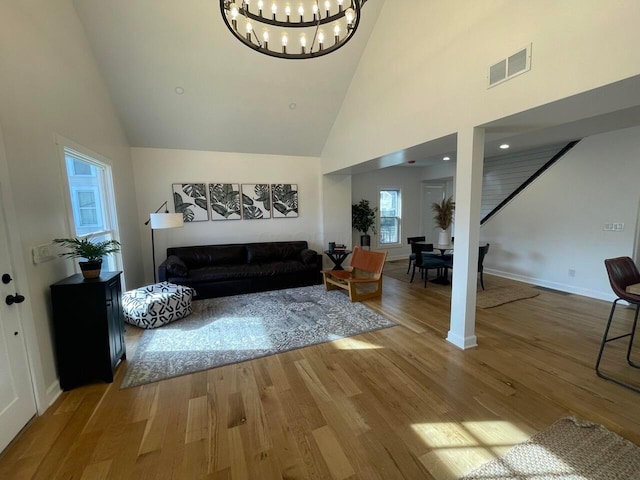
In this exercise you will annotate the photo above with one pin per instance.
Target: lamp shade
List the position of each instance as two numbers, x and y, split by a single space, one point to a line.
166 220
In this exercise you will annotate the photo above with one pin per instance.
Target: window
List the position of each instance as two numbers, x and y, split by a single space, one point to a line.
86 207
81 168
91 198
390 213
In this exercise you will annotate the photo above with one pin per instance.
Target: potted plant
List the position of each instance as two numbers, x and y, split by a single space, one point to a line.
91 251
363 219
444 218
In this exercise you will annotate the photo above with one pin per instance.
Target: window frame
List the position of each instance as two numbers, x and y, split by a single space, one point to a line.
398 217
105 196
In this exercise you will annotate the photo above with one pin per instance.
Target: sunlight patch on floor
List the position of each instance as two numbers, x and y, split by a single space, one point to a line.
254 337
457 448
353 344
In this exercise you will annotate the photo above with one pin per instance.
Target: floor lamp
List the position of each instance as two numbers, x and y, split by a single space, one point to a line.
159 221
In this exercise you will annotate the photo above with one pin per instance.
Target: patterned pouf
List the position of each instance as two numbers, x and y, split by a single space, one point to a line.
156 305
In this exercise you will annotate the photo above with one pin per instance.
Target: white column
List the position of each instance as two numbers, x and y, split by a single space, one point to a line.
470 159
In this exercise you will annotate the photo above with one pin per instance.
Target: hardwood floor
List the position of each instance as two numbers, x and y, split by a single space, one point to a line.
399 403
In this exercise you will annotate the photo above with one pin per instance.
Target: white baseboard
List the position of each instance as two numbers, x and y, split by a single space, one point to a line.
585 292
52 394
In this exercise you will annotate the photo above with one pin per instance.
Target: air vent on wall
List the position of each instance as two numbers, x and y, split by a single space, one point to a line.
510 67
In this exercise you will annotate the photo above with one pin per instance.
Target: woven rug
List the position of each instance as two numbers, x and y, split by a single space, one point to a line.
233 329
569 449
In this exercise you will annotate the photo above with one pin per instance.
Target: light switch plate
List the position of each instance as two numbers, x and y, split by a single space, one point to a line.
44 253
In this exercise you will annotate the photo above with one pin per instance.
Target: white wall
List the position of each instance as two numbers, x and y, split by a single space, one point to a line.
423 73
50 84
366 186
156 170
557 223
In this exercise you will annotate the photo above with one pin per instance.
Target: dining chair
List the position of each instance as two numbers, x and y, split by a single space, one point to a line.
425 262
482 252
412 257
623 273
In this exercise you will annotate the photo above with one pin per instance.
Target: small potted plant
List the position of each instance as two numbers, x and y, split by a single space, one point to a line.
363 219
91 251
444 218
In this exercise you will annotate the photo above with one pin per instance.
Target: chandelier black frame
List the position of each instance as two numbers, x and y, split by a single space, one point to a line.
313 23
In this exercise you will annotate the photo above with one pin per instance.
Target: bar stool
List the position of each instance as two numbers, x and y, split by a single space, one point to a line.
623 273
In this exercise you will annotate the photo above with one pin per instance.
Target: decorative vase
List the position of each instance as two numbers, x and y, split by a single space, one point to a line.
444 238
91 269
365 240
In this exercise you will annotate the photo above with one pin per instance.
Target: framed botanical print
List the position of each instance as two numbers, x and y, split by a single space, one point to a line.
224 199
284 199
190 199
256 201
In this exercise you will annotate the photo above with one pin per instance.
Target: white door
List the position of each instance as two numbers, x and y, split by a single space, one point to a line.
430 195
17 402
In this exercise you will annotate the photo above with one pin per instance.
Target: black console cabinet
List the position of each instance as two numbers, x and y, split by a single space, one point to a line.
88 327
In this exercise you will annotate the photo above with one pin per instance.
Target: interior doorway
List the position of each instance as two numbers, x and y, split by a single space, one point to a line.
431 193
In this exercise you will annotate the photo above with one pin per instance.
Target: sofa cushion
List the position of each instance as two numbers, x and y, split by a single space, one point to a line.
229 272
195 257
276 251
176 267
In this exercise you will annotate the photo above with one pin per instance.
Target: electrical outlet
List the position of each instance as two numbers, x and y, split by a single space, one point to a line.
572 272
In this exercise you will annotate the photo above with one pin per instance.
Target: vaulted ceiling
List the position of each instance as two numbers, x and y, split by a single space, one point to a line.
234 99
180 80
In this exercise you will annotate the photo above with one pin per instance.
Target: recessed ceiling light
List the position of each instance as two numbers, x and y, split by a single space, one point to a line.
292 106
179 90
446 159
504 146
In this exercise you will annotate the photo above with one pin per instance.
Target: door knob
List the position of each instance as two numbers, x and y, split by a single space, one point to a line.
11 299
6 278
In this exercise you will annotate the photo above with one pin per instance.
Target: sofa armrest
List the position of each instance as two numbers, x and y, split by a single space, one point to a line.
162 272
173 266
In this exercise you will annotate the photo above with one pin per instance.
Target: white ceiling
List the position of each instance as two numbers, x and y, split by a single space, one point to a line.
234 100
238 100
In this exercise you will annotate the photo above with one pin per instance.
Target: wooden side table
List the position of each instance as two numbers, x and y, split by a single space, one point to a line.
337 257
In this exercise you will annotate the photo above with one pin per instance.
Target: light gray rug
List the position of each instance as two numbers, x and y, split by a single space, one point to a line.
233 329
569 449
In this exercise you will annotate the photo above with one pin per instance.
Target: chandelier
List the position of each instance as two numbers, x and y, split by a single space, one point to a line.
292 28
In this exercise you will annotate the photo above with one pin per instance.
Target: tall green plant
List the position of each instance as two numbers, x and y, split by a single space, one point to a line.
444 212
363 217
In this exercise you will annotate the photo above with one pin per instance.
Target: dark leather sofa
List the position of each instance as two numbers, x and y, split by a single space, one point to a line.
232 269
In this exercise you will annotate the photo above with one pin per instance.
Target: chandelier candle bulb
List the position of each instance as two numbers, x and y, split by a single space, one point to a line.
287 11
327 7
274 10
315 12
260 5
301 12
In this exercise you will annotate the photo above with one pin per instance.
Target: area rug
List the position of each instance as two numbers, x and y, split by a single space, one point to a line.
569 449
233 329
492 297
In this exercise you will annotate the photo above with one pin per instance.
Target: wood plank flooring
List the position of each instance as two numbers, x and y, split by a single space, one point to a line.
399 403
